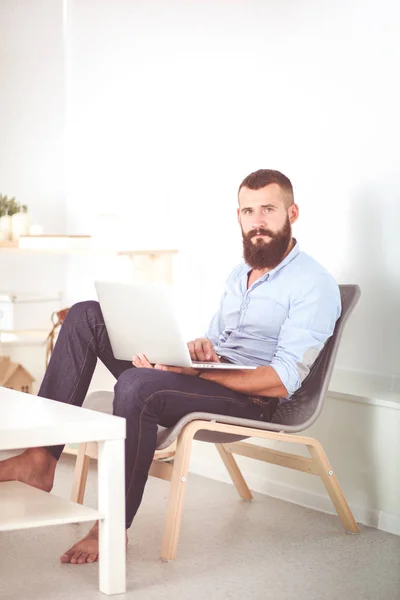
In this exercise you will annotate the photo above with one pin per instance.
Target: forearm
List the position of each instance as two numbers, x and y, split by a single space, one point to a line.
263 381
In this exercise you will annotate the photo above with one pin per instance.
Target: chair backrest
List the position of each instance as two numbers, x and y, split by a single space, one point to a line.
306 404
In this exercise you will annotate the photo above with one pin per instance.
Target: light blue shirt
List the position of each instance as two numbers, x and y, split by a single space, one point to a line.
283 320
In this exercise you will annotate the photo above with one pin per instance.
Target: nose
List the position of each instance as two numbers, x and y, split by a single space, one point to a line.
259 221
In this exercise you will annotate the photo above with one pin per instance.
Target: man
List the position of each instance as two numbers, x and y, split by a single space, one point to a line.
278 309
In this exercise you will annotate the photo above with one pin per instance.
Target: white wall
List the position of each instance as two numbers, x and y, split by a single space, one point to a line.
171 104
32 122
32 108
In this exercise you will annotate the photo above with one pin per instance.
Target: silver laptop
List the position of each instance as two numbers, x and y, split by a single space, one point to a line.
141 318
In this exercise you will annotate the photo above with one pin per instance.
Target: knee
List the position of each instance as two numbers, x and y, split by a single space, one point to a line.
127 393
90 309
133 389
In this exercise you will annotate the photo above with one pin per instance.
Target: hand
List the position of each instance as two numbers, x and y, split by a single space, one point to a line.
181 370
140 361
202 349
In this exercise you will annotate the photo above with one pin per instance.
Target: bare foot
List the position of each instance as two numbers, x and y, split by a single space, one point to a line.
34 466
86 550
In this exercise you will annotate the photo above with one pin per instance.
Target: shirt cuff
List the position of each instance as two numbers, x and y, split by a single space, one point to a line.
284 375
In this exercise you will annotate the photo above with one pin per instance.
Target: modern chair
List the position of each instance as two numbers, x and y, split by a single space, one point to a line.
228 433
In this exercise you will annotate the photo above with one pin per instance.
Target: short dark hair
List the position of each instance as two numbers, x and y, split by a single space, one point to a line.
263 177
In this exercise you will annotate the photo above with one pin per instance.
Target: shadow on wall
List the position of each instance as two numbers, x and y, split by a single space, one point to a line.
371 341
372 338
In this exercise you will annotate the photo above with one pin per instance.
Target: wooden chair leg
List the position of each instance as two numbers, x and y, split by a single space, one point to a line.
235 473
176 494
333 488
80 475
166 454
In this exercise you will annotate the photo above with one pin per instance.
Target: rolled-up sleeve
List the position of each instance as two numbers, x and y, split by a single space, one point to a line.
309 324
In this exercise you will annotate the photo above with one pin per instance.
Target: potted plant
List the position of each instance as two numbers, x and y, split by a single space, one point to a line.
14 220
19 220
5 217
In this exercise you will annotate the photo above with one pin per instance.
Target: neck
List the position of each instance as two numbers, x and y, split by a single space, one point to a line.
289 248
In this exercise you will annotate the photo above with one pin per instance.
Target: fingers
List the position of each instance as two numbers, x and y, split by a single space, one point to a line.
196 349
200 349
203 350
207 351
140 361
181 370
192 351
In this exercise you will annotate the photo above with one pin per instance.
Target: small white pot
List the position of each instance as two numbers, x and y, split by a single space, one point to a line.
5 228
19 225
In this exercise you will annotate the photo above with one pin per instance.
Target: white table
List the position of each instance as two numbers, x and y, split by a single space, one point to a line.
28 421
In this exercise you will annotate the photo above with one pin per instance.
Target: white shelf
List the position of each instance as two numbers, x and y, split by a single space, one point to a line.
23 507
27 337
90 250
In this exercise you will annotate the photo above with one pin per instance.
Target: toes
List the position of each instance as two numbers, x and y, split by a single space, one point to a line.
75 557
85 551
92 557
87 557
66 557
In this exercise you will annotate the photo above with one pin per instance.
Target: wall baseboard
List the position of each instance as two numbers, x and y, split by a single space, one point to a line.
388 522
381 520
369 388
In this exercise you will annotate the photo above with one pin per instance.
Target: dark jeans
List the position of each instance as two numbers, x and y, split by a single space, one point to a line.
145 397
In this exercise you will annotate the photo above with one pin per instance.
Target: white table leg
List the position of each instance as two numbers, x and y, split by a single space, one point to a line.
111 494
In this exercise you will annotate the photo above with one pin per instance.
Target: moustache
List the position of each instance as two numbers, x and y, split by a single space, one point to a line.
260 231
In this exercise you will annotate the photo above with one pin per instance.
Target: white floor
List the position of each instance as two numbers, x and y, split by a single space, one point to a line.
229 549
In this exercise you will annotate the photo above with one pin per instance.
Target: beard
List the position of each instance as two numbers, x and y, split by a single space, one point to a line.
266 255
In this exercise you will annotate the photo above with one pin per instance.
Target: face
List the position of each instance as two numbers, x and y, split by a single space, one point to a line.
266 223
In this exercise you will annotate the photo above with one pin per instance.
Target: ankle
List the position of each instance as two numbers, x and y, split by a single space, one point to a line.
41 454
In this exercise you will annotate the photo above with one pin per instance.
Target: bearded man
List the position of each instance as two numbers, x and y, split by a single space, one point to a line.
278 309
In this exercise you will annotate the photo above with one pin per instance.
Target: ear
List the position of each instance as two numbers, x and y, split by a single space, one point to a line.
238 216
293 213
